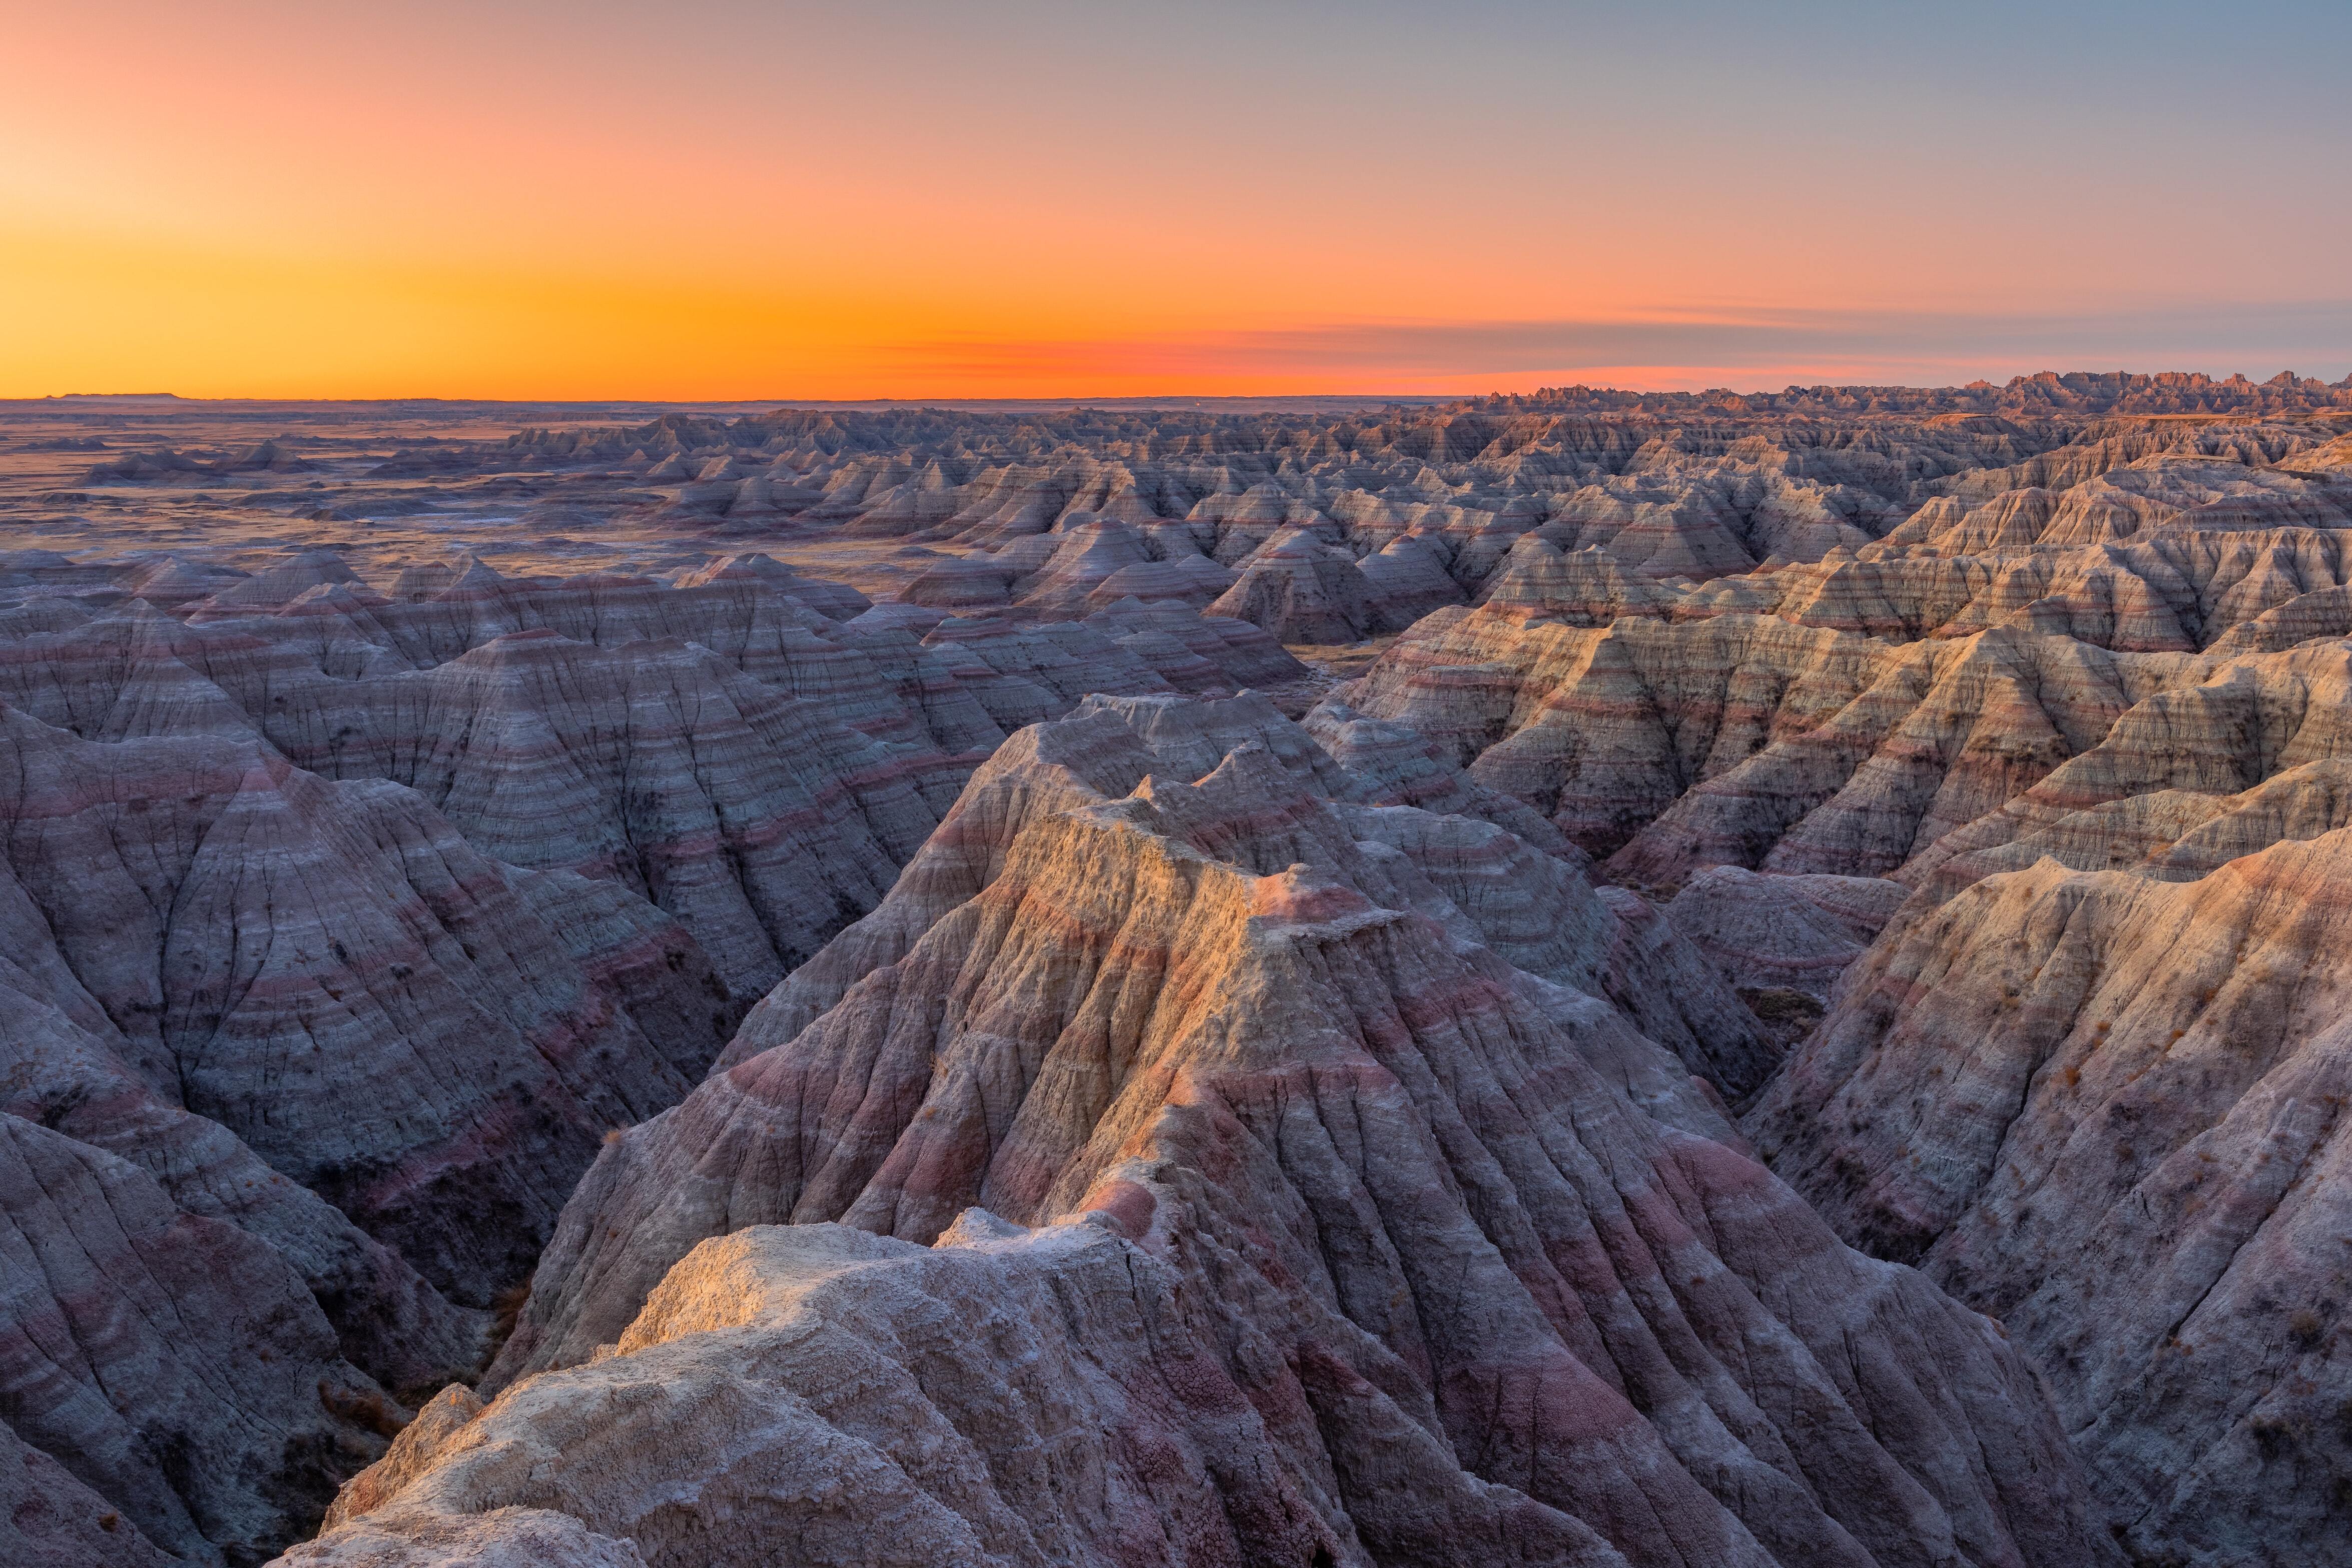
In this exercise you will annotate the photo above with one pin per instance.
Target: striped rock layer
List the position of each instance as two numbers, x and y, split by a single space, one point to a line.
1176 1170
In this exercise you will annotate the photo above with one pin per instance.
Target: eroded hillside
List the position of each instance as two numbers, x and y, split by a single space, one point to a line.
1583 979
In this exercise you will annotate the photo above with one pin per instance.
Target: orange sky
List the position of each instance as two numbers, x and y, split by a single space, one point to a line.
715 198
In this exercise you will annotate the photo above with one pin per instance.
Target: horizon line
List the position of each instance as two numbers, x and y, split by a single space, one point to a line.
1077 399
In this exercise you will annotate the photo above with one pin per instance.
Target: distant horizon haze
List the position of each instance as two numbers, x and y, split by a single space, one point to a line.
1241 403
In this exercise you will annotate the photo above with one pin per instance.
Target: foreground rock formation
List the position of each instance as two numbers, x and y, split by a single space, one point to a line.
1209 1113
2008 1089
2101 1045
2107 1108
344 926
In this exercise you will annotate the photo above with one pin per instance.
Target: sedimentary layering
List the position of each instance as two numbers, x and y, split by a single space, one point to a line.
343 925
2036 1086
1783 941
2108 1107
1283 1135
2091 1083
724 749
176 1364
1203 986
1305 517
1747 740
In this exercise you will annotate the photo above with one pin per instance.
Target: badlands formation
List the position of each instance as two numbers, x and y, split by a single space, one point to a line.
1587 978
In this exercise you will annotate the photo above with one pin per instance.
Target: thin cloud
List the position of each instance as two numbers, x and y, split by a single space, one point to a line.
1757 348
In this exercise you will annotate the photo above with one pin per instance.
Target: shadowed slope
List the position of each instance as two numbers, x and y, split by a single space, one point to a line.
2109 1109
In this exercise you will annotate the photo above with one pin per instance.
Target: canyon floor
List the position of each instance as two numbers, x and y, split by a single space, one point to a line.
1581 979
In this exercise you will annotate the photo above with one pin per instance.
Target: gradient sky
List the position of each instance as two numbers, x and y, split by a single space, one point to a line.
708 199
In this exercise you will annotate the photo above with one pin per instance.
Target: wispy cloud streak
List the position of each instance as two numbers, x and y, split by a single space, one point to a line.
1753 348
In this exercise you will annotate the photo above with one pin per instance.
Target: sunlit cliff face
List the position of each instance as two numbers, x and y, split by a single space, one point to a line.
713 199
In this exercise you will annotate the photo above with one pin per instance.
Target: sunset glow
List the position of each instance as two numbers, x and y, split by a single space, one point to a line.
720 200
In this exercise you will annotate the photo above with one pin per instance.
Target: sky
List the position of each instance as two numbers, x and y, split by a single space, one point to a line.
723 199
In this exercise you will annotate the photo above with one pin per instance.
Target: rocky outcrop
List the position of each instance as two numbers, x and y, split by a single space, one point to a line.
1601 730
196 467
2166 491
698 777
748 815
2198 772
67 1073
50 1520
832 600
1946 733
171 1364
1399 767
1524 884
1001 1397
1782 941
1783 933
2182 589
329 972
307 1047
1303 591
1747 741
2105 1107
1208 655
1586 587
354 922
1265 1071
